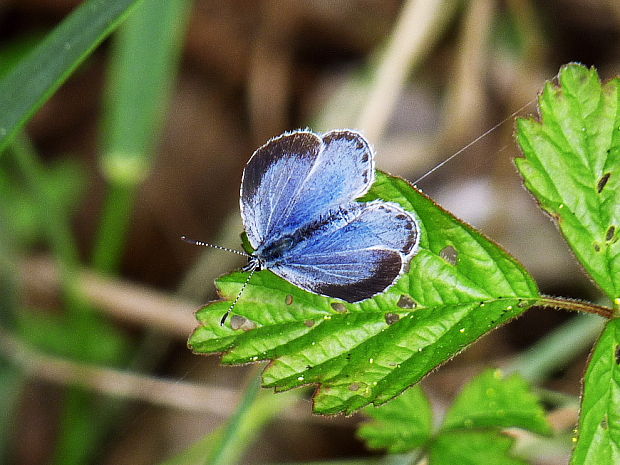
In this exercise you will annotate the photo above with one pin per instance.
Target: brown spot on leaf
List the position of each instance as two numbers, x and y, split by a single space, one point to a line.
610 233
339 307
406 301
240 322
602 182
449 254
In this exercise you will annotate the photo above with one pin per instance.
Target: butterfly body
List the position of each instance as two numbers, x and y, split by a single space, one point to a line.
300 215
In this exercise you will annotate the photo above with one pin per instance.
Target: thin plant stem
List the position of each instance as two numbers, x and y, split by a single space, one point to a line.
563 303
265 407
221 451
113 227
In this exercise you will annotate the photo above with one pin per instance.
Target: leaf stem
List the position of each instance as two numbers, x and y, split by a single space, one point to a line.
574 305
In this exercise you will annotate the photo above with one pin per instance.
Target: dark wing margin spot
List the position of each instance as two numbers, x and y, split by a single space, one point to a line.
360 142
413 230
386 271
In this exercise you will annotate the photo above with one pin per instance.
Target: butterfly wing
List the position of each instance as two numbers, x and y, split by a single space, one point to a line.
355 257
295 178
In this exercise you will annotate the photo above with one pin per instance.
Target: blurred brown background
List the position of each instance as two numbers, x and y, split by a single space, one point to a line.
253 69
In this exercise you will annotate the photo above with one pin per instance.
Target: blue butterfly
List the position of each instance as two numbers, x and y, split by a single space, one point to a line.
299 211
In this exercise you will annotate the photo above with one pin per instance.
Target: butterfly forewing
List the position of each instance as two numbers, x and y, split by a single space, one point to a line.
296 178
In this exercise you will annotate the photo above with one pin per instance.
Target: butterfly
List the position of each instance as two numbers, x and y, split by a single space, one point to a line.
301 218
298 206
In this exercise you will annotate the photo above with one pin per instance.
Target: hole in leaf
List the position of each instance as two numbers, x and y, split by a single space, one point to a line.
602 182
240 322
391 318
597 248
449 254
288 300
406 301
340 308
618 355
610 233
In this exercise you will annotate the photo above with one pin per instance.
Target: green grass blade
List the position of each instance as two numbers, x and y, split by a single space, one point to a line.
598 440
142 71
371 351
37 76
571 164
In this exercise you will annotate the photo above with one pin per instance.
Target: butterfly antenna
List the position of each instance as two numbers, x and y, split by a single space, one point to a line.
247 280
219 247
481 136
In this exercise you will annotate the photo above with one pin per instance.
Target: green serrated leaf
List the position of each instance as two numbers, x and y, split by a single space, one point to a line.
598 440
400 425
490 400
472 448
37 76
371 351
571 165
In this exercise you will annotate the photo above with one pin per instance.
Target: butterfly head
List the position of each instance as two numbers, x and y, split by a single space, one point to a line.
255 263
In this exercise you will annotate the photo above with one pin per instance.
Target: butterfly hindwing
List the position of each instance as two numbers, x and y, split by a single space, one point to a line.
352 276
354 254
